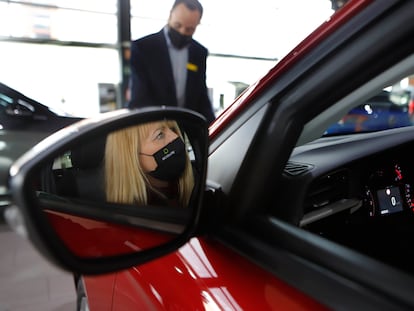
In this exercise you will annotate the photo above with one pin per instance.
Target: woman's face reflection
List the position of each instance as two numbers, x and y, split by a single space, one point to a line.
158 136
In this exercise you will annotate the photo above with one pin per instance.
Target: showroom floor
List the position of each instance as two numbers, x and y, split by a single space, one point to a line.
27 281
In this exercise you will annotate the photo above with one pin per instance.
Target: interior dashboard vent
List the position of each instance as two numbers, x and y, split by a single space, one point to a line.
327 189
296 168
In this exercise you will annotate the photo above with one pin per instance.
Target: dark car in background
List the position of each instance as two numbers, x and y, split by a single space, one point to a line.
21 113
23 123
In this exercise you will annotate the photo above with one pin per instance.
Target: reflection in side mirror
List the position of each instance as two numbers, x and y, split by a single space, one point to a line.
117 190
142 174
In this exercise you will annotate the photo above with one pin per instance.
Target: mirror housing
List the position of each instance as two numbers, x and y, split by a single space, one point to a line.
89 236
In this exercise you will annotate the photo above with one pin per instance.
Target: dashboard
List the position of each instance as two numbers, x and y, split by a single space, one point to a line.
358 191
388 187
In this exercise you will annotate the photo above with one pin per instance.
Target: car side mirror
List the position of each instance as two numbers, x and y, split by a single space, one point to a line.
119 190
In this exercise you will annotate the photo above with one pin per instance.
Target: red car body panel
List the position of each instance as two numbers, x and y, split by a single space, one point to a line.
204 274
93 239
100 291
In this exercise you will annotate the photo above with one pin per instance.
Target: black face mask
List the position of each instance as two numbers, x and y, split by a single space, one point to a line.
178 40
170 160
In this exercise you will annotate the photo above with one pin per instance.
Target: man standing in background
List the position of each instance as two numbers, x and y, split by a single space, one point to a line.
168 68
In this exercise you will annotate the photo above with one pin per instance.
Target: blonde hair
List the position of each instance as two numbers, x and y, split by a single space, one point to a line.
125 180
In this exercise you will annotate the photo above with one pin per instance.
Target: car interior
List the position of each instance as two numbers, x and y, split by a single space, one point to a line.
78 173
356 189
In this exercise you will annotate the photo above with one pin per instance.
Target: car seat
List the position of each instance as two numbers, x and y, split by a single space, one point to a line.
87 170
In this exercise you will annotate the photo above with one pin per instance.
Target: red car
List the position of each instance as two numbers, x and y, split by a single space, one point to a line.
280 216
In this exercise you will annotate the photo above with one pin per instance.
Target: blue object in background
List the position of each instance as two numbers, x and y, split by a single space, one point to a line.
376 114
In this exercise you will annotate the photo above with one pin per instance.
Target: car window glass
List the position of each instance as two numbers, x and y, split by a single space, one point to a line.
390 107
25 105
5 101
19 105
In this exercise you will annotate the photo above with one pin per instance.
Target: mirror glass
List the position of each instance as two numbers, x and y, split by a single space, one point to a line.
120 192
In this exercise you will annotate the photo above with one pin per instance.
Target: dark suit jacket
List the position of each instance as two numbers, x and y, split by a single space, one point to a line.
152 81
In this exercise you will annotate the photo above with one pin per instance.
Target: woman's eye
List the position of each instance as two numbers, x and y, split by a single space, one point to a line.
160 135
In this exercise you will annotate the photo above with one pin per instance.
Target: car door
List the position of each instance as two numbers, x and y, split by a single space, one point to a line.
261 214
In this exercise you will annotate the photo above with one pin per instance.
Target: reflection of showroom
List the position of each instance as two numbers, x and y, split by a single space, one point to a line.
81 65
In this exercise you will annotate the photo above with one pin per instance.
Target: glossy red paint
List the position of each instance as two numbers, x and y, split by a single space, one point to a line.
101 287
202 275
253 91
89 238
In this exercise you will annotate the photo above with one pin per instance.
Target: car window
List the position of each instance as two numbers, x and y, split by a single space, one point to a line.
11 108
8 103
390 107
5 101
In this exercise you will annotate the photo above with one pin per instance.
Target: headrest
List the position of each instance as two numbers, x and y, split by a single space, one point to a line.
90 155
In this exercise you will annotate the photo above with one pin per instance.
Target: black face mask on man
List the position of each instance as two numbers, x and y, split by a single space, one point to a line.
178 40
170 161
